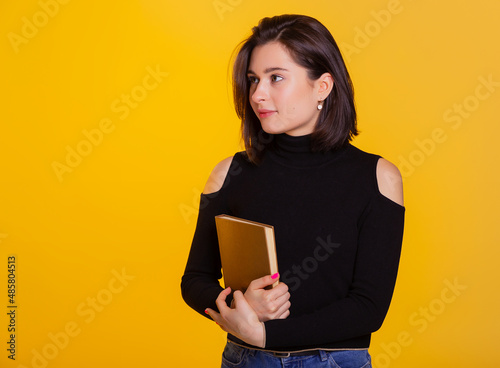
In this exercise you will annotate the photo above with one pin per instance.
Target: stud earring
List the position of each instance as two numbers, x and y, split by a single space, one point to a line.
320 105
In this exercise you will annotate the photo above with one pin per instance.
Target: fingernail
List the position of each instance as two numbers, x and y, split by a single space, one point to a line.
206 311
275 275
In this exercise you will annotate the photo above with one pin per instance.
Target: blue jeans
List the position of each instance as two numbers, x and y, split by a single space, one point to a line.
235 356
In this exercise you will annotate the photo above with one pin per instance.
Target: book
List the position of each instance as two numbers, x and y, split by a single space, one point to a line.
247 250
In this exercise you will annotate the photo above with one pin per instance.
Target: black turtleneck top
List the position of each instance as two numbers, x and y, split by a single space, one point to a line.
338 241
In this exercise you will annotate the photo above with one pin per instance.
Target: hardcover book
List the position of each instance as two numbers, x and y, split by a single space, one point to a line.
247 250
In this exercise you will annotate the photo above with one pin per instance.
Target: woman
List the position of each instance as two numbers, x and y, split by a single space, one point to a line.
337 211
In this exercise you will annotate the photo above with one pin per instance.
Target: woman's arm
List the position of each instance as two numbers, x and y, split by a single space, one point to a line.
364 308
200 286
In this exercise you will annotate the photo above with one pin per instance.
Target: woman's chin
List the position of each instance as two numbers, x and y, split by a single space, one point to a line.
270 129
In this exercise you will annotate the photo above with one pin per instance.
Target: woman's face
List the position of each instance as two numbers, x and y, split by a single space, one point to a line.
281 94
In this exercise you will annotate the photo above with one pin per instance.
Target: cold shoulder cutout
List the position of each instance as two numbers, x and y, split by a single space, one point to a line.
390 182
217 176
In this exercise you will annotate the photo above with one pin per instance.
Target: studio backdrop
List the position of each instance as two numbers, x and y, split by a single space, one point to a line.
113 114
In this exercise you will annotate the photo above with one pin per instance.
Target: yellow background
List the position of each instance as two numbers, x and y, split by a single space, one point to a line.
129 206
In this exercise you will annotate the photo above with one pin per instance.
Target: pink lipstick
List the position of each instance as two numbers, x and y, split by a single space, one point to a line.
263 113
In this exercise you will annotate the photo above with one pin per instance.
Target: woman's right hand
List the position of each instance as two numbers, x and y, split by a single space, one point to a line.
268 304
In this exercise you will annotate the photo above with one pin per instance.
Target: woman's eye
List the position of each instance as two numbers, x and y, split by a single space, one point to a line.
276 78
253 80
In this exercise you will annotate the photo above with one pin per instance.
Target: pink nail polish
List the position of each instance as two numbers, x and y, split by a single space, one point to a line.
275 275
206 311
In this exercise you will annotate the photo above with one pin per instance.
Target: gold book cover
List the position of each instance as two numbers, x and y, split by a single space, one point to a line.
248 250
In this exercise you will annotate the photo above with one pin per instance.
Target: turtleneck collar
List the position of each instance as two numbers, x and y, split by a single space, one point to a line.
296 151
293 144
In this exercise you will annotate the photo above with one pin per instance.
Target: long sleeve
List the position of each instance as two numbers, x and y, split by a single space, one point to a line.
200 286
363 309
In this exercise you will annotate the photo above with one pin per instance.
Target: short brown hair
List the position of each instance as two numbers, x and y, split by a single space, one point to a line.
312 46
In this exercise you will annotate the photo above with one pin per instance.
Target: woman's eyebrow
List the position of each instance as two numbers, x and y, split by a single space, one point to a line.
269 70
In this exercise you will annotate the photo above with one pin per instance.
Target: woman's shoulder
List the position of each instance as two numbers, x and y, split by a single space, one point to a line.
390 181
220 171
387 175
217 176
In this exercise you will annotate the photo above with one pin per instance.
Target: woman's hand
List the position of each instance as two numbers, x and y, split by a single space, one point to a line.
268 304
240 321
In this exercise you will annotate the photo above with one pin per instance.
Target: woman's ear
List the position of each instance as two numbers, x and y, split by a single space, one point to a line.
325 85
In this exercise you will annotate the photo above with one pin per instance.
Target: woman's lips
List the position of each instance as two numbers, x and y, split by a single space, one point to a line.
265 113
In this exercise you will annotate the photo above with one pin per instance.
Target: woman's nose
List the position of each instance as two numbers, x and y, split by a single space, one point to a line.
260 93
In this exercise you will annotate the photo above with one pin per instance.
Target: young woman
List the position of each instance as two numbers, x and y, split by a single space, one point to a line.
337 211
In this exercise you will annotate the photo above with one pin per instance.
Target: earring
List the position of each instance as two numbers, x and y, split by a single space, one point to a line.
320 105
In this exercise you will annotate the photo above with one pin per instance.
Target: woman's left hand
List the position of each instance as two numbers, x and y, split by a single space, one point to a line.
240 321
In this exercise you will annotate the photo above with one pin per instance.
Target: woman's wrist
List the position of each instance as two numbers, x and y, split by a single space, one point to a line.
257 336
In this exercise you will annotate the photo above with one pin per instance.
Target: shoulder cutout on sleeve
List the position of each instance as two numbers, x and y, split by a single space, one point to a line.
390 182
218 175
